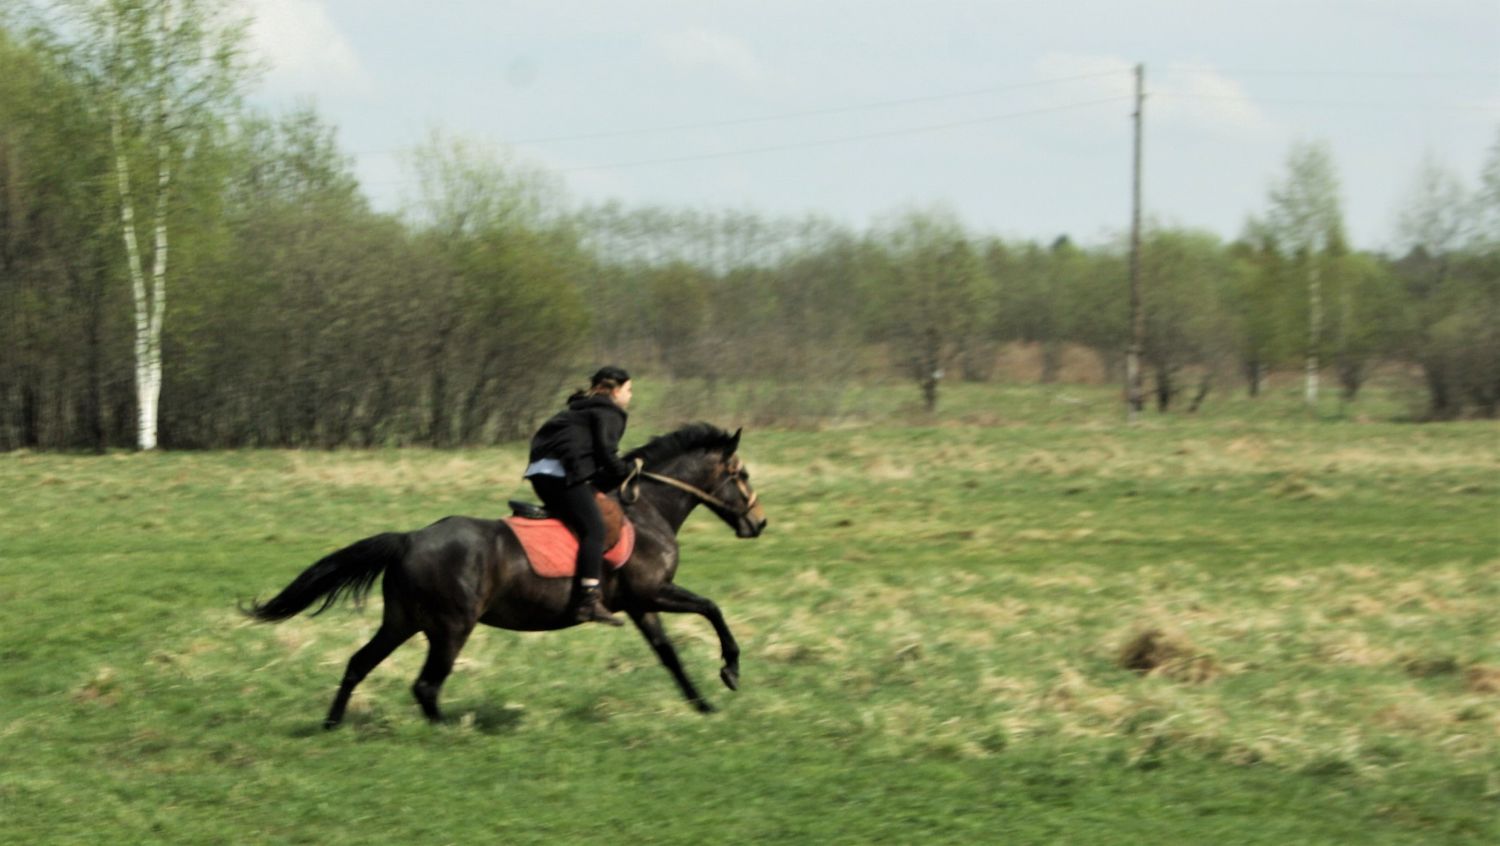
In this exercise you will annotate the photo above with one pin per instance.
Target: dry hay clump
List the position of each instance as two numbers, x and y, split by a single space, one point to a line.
1482 678
1168 654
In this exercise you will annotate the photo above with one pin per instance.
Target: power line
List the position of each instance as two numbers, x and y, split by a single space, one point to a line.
841 140
832 110
882 104
826 142
1351 104
1386 74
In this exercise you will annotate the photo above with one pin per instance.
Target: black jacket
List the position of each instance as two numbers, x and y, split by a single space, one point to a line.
585 437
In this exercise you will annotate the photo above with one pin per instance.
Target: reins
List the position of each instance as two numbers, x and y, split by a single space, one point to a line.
630 489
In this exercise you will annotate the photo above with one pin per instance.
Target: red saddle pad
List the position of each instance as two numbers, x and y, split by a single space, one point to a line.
553 551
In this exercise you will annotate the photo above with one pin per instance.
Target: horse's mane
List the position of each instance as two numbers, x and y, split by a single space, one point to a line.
691 437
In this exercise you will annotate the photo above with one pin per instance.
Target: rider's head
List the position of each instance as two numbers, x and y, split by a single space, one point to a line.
612 382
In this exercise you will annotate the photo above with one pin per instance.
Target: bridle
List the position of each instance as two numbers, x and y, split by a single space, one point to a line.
630 489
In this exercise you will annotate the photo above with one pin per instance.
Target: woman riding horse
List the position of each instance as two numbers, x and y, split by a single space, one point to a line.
573 455
445 579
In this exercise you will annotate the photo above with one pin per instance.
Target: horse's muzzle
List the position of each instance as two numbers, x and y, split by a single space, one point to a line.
748 528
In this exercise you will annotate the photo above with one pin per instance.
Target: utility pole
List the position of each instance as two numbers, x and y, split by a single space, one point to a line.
1134 394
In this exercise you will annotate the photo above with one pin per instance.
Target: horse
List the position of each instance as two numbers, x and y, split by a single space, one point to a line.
445 579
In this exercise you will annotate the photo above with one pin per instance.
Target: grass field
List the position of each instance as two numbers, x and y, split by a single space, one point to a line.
936 629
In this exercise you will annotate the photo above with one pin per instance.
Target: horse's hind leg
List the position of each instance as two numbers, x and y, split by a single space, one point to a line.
371 654
443 643
649 622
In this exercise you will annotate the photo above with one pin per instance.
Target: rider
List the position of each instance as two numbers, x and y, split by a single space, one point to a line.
574 454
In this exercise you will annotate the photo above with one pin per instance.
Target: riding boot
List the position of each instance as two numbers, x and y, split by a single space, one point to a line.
590 608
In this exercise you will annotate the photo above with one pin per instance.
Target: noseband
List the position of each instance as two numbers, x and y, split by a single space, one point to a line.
630 489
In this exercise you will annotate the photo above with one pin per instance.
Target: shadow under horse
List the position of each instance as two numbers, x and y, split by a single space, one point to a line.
447 578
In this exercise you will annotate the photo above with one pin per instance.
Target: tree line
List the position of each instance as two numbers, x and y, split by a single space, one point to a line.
176 268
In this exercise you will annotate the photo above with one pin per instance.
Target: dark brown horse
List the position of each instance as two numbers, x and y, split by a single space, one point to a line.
461 571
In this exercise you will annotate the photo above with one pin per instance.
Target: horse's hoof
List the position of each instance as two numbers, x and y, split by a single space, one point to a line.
330 725
730 677
703 706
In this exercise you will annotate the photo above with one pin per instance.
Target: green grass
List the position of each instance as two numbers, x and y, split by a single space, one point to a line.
931 631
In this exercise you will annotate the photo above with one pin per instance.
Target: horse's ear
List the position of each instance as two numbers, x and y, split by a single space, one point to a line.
734 443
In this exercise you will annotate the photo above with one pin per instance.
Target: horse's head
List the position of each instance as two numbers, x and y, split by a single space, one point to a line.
738 504
702 460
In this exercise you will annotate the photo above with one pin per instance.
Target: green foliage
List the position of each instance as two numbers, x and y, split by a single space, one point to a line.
678 294
527 321
1365 317
1306 220
498 317
300 317
924 295
1096 313
1305 210
1449 329
1186 318
61 312
1031 305
1450 283
1267 301
1437 215
290 161
1487 200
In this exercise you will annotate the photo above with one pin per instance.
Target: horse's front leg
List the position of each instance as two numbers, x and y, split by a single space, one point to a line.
649 622
675 598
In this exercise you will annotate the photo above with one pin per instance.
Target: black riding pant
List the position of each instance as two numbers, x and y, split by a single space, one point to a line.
575 506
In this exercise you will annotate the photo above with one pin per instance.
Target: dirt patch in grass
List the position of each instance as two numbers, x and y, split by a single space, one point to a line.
102 689
1299 487
1429 666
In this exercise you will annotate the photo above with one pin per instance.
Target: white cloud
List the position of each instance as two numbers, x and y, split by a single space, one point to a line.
1197 94
697 49
1191 94
304 47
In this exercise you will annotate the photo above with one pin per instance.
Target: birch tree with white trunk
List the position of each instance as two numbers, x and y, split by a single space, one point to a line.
167 73
1307 220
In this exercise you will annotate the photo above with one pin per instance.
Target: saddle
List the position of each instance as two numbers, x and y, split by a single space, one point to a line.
551 547
609 509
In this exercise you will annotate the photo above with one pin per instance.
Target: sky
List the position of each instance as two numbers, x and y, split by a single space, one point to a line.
1015 116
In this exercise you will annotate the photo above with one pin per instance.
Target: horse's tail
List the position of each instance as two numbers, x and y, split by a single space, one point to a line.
350 571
